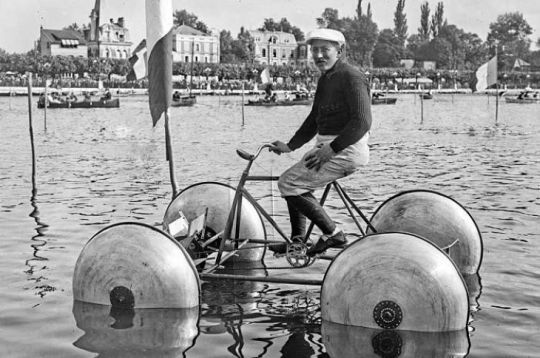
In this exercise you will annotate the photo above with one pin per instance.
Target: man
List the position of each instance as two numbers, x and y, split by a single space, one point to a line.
340 119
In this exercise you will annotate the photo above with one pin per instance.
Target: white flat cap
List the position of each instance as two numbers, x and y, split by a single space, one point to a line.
326 34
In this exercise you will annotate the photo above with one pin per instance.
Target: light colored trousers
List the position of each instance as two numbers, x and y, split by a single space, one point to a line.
298 179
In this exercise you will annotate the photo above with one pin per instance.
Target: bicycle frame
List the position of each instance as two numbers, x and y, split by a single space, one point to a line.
240 192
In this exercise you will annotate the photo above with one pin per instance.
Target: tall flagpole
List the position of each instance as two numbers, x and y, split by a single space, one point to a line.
169 154
159 25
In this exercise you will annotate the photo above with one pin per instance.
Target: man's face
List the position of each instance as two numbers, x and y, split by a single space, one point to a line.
325 54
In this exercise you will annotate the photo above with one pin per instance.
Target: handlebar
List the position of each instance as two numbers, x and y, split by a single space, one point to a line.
247 156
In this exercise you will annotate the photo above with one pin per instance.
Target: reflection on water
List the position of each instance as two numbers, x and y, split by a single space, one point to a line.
38 242
347 341
97 167
135 332
289 318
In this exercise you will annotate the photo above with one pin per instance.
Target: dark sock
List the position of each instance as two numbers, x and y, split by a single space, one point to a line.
298 221
310 207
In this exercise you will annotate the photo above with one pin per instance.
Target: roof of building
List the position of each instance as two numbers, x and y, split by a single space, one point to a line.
188 30
57 36
265 35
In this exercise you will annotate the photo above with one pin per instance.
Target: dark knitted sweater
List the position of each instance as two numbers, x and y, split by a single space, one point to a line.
342 107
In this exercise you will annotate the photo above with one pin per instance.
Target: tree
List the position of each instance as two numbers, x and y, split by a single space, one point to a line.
182 17
388 49
244 47
237 50
225 45
284 25
330 19
437 20
400 23
75 27
423 30
510 32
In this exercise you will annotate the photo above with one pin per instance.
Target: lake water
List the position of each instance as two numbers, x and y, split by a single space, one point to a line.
102 166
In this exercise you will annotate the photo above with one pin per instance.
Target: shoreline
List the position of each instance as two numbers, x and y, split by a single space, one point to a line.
122 92
23 91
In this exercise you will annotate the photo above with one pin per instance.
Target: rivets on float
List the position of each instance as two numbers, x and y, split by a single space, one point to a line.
387 314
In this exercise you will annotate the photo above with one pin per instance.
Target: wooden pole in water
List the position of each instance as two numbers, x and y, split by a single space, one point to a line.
169 154
31 129
421 107
45 107
496 85
243 121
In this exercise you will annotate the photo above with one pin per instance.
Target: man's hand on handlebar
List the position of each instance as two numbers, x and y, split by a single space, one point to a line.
279 147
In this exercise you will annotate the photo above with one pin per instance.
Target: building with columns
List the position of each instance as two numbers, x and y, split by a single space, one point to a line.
275 48
191 43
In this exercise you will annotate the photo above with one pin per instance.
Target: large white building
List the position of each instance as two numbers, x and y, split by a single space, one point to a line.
190 43
274 47
108 40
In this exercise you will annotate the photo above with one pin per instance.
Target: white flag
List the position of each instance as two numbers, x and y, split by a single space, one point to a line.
486 75
265 76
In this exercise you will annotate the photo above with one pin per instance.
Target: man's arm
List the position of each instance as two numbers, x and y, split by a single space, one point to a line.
308 129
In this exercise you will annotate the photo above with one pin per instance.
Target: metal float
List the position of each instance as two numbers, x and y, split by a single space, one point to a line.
437 218
348 341
216 200
157 332
135 265
395 281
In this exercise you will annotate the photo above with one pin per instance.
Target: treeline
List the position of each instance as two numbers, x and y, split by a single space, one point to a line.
457 53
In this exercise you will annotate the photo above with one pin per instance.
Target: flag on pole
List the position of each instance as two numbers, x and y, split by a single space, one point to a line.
486 75
159 25
265 76
138 62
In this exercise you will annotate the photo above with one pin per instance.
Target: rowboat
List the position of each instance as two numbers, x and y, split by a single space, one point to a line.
184 101
292 102
522 100
100 103
525 97
383 100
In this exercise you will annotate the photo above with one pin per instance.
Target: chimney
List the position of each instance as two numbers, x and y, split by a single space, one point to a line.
121 22
111 21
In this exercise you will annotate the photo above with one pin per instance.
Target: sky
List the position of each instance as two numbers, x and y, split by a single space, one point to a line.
20 20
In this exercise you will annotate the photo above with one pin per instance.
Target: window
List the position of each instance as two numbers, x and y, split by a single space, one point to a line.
197 48
186 59
274 53
263 52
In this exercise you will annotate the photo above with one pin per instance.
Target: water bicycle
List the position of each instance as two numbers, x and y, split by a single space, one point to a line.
405 272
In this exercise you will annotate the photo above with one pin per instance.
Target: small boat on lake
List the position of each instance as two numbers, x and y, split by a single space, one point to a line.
290 102
383 100
183 101
524 97
98 103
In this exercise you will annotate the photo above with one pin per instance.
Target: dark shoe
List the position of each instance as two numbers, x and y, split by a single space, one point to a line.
322 245
280 248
